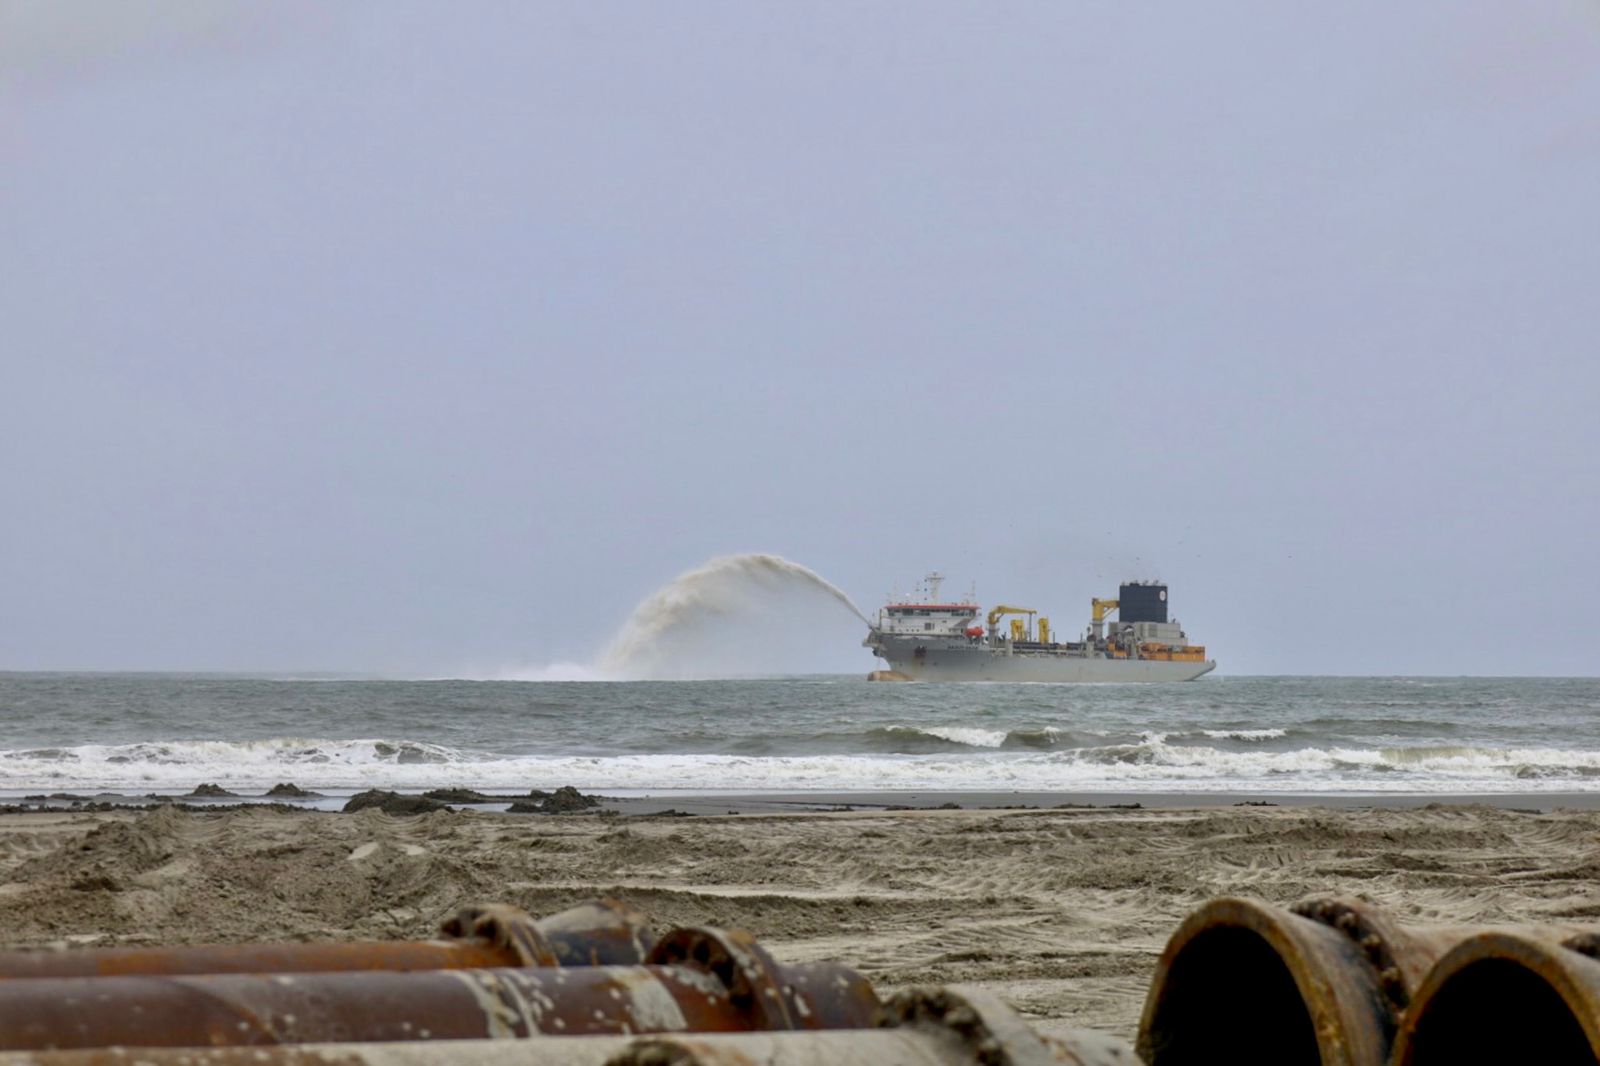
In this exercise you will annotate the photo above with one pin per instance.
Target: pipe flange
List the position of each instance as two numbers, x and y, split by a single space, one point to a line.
753 980
603 932
510 929
1363 926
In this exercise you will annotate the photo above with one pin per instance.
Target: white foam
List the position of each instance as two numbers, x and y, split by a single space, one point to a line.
974 738
1244 734
1148 765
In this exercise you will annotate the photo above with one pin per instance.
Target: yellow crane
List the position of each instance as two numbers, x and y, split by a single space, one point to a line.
1018 630
1099 609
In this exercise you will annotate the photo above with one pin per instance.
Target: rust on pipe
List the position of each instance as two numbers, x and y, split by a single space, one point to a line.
491 935
1352 1003
1506 997
921 1027
1403 955
253 1009
1246 983
602 933
819 995
1400 955
255 958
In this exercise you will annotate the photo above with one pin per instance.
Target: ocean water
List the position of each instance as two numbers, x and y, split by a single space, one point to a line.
167 733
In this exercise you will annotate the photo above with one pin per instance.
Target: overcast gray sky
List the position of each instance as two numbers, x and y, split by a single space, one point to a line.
430 338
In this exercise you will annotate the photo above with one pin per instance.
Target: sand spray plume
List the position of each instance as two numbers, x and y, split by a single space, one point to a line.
720 588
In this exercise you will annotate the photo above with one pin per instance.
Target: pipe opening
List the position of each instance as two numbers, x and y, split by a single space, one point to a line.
1496 1010
1228 997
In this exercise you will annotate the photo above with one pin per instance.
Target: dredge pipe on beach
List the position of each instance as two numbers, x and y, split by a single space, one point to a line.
1245 982
818 995
1507 997
217 1010
601 933
1343 996
1404 955
924 1027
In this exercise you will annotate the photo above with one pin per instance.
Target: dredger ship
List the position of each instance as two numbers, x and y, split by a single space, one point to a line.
925 639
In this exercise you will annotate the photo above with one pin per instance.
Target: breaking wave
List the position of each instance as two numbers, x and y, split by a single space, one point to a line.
1244 734
1050 738
926 758
957 736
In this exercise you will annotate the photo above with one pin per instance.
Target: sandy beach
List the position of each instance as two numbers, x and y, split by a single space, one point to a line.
1060 911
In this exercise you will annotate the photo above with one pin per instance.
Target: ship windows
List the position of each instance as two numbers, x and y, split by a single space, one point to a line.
927 625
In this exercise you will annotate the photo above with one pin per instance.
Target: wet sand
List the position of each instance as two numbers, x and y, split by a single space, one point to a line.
1060 911
777 802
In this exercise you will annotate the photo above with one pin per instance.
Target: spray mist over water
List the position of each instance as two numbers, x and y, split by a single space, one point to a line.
660 637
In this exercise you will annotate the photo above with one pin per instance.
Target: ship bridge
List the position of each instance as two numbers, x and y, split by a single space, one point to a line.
921 613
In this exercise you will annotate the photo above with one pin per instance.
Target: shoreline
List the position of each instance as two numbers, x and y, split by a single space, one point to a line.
825 801
713 802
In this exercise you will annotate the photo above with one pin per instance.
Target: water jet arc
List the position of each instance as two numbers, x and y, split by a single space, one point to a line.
717 589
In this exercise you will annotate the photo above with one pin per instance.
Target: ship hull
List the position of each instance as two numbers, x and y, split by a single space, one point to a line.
936 660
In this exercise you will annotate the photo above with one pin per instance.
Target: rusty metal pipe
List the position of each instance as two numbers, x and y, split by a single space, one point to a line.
604 932
254 1009
926 1027
1351 997
1246 983
256 958
870 1048
820 995
1506 997
1403 955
